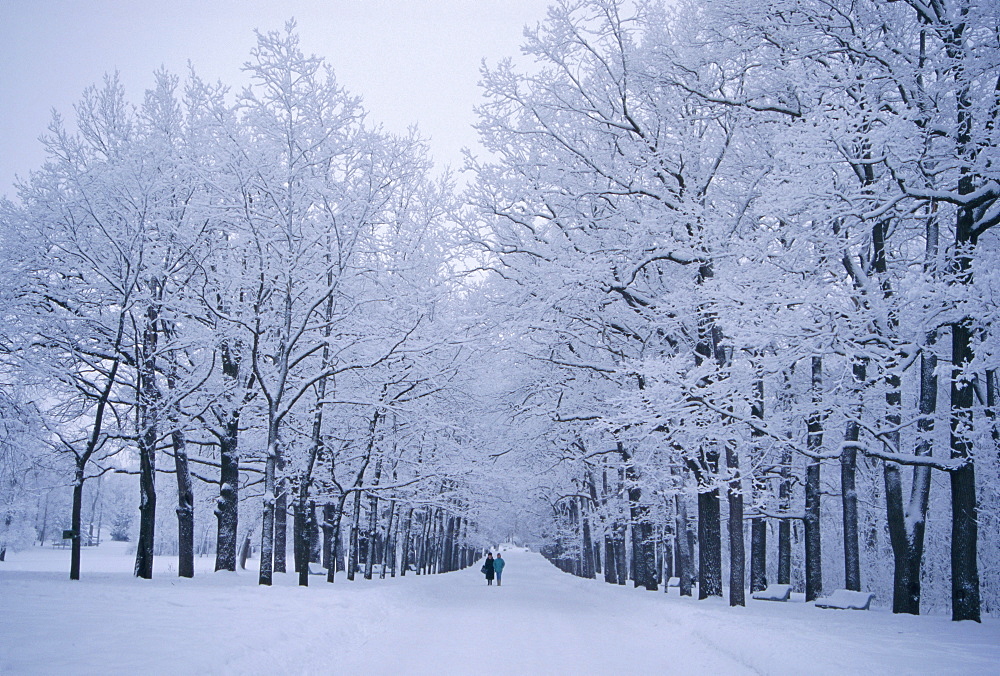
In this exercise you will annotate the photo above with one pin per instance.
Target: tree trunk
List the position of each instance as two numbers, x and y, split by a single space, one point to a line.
596 553
405 553
43 530
784 551
267 520
964 517
991 408
148 411
433 541
185 506
848 489
621 528
587 569
353 561
709 525
147 516
389 551
439 542
304 532
76 522
849 506
92 539
709 544
758 486
371 531
965 599
298 534
894 498
300 540
280 517
643 552
916 510
638 567
426 544
593 534
685 574
386 554
313 540
245 549
785 494
610 570
327 529
3 548
647 541
709 347
447 544
333 515
457 557
668 557
758 555
228 505
313 535
737 551
418 541
610 567
811 522
185 491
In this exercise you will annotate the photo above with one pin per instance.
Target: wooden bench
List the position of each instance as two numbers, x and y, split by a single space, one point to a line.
845 599
774 592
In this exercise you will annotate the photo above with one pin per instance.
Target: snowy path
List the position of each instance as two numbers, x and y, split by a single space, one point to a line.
540 622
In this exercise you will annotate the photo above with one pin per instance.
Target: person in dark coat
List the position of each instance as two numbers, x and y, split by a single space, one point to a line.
498 564
488 569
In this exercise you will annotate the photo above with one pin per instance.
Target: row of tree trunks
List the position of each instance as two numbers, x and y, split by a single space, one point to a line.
906 520
430 540
437 541
405 561
642 530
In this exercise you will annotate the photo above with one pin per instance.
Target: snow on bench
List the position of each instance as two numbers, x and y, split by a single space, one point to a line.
774 592
845 599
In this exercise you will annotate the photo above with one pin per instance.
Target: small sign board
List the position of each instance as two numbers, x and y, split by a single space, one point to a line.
68 535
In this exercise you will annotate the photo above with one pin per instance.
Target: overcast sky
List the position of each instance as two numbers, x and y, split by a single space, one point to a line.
413 61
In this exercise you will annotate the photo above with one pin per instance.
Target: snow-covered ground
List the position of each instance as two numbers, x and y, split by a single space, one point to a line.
541 621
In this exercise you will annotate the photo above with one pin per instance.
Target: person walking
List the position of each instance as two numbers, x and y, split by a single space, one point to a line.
498 564
488 569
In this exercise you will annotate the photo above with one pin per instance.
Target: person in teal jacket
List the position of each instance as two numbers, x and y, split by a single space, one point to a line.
498 564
